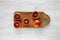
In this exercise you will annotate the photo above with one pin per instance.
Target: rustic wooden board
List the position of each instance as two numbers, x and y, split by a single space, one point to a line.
42 17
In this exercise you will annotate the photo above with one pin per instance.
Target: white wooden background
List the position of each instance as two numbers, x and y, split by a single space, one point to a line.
50 32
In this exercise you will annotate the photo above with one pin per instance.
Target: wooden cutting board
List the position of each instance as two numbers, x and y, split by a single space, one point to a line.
30 19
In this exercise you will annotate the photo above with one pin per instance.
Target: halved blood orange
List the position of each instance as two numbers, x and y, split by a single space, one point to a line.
17 16
26 21
35 14
17 24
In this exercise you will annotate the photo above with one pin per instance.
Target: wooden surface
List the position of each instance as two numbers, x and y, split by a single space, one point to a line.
44 18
